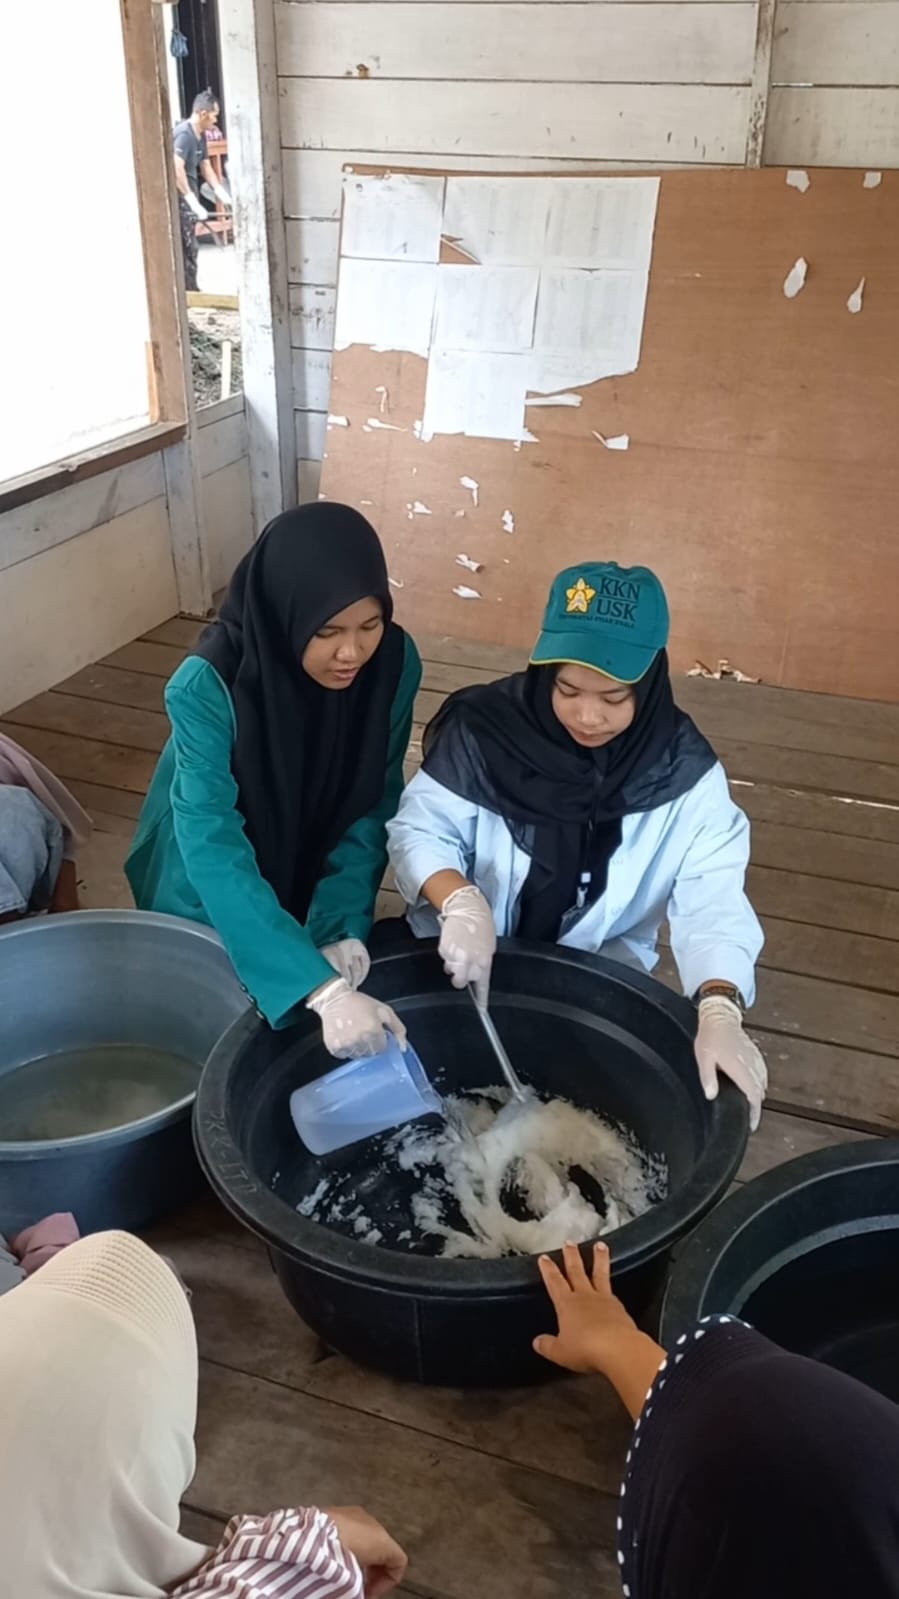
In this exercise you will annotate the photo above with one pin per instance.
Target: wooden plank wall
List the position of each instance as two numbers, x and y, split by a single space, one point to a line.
553 85
223 449
85 570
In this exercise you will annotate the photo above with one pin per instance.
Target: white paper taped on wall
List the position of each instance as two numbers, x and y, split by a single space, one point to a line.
589 325
466 593
392 218
472 486
485 308
553 299
385 304
854 302
466 560
872 180
480 395
494 221
798 178
508 522
795 278
620 441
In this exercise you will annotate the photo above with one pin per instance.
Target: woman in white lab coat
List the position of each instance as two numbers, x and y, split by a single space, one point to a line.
574 803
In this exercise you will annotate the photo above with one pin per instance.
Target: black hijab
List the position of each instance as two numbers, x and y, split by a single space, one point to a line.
308 761
758 1474
501 746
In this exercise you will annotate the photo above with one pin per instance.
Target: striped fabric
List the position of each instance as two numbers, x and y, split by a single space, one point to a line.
290 1554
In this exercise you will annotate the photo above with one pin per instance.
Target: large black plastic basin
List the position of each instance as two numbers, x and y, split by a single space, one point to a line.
809 1254
574 1025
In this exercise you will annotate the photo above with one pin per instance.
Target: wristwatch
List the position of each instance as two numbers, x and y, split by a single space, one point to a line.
725 990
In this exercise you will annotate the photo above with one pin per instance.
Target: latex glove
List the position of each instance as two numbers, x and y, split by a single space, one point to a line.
222 195
197 207
354 1024
382 1560
350 959
467 940
722 1045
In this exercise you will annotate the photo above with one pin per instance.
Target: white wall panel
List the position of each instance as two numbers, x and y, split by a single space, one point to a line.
836 44
639 122
565 43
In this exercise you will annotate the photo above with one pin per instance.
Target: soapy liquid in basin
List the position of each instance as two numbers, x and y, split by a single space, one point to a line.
79 1091
498 1177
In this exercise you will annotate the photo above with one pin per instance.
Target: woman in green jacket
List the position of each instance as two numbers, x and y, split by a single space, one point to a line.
267 814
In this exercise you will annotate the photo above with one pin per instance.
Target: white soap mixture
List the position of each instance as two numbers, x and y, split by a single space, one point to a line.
493 1146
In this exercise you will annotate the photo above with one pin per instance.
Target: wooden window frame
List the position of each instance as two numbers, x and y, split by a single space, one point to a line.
144 42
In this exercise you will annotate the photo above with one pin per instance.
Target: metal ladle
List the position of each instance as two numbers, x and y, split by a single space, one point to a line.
496 1044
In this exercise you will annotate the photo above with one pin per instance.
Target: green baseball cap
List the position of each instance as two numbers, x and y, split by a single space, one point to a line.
611 617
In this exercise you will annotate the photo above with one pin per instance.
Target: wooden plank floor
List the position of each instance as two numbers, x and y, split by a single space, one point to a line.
499 1493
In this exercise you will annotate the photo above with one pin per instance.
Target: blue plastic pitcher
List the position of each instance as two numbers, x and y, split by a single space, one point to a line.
362 1098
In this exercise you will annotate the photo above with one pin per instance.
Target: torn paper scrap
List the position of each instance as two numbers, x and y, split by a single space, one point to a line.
376 425
418 508
485 308
795 278
396 583
508 522
479 395
620 441
395 217
798 178
473 566
460 513
388 305
526 438
872 180
338 421
472 486
554 399
382 390
496 221
854 302
722 670
466 593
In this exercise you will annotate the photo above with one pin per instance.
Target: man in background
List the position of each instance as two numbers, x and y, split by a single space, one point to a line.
193 167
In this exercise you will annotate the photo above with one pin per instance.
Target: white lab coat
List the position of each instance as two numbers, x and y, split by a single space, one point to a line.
685 859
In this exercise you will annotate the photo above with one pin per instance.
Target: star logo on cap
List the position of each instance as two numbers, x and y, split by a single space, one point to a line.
579 597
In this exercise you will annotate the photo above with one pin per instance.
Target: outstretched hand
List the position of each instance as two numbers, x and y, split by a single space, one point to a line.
592 1322
596 1333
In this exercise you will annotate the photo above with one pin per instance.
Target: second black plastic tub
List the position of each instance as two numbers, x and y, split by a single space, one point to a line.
594 1032
809 1254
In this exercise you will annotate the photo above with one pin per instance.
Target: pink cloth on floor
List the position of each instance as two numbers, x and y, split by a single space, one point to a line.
37 1244
22 770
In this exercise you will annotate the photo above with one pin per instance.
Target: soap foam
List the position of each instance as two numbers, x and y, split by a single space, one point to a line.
493 1147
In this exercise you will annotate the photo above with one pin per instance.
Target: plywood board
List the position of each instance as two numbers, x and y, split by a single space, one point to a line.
762 435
